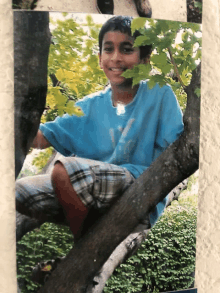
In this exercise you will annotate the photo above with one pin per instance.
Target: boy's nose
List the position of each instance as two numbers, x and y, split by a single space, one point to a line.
116 55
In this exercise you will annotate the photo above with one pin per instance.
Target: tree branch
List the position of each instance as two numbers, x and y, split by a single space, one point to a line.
128 247
175 68
122 252
63 90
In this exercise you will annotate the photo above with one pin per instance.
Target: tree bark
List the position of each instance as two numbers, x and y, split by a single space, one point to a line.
31 49
179 161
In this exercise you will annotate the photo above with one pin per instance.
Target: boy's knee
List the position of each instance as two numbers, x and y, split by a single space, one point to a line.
59 173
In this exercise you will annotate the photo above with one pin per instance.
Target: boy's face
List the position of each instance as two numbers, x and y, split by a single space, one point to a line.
118 54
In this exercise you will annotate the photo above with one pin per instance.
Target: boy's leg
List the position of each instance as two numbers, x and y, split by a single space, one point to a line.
86 184
81 184
35 198
74 209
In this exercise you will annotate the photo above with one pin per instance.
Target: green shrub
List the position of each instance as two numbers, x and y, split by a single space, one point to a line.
166 260
47 243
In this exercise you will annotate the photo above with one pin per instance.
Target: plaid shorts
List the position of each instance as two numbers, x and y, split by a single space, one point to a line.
97 184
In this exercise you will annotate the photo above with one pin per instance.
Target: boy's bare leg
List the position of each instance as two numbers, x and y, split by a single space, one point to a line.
74 209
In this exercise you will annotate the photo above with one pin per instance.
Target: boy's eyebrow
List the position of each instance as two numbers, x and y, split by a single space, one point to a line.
123 43
128 43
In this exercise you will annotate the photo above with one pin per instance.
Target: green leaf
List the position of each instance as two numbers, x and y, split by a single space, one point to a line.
198 92
151 83
141 41
159 59
72 109
138 23
197 4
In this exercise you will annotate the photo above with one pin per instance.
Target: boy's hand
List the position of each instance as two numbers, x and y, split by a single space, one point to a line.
40 142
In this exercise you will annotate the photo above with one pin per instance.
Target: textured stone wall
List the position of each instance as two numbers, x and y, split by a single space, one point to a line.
7 202
208 225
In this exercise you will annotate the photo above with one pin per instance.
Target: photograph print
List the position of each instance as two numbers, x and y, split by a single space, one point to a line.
107 112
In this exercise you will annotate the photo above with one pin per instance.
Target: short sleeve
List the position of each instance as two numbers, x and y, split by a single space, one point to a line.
63 131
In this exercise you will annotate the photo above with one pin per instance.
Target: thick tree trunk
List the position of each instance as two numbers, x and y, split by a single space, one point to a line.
31 48
179 161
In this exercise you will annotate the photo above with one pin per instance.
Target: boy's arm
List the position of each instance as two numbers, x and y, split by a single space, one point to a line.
40 142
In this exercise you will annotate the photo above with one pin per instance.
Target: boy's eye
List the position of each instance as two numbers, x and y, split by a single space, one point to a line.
128 49
108 49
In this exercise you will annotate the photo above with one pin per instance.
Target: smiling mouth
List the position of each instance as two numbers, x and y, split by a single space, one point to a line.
117 69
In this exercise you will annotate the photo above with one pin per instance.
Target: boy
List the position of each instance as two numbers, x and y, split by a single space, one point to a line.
123 130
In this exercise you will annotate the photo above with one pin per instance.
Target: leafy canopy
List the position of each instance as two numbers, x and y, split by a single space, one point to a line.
176 53
73 70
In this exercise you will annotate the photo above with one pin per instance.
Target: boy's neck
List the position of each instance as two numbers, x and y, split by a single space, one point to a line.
123 95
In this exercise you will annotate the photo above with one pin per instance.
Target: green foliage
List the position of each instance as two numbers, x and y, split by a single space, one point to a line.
73 67
191 181
25 172
198 5
48 242
166 260
177 50
42 158
23 4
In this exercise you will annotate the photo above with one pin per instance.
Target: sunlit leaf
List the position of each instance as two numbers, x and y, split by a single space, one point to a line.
138 23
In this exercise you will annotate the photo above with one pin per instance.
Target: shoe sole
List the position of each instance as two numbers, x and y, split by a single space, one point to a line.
97 7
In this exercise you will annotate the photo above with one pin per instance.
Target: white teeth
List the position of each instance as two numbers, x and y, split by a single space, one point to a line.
117 69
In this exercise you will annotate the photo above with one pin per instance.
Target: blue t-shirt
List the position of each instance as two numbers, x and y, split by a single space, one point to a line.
132 136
